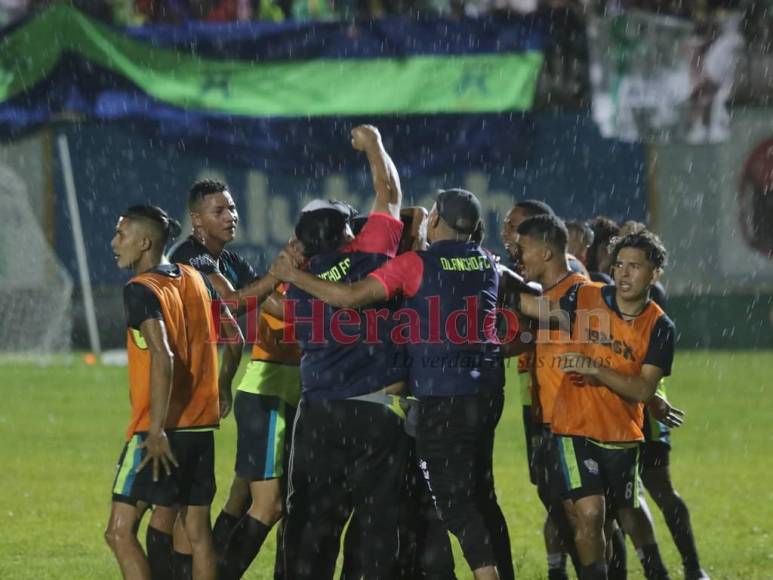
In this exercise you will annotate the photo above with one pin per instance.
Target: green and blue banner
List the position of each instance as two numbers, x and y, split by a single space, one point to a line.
391 67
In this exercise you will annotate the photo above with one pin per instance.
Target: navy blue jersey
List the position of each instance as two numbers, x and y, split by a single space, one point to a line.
191 252
451 292
346 354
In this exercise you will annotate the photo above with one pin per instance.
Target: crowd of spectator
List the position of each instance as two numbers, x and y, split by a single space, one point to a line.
135 12
568 15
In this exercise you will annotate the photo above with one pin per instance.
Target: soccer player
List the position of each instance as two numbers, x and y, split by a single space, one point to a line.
168 459
655 453
348 448
624 345
454 372
523 371
654 458
268 393
524 374
541 246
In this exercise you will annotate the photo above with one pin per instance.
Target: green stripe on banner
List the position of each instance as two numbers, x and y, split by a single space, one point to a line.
478 83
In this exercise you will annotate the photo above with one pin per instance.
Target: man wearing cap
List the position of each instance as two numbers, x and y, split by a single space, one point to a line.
448 327
348 446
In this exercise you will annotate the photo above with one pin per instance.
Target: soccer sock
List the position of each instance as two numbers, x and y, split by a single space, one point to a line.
224 525
618 563
654 569
244 544
159 546
595 571
557 567
182 565
677 518
558 515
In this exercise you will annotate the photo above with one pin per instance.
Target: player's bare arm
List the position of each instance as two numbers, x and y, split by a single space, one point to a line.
640 387
386 180
415 233
661 410
367 291
158 451
230 336
258 290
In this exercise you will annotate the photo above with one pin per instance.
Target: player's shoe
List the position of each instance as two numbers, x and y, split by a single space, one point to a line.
696 575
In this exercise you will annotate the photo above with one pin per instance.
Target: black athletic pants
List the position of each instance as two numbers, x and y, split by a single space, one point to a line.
455 448
345 455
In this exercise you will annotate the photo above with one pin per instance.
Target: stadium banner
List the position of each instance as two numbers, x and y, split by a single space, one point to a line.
714 209
421 68
661 79
558 158
746 187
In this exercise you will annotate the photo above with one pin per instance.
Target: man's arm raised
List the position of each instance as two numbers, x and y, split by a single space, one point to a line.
386 181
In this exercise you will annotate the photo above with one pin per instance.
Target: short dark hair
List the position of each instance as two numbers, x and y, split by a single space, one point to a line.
321 231
604 229
201 188
165 227
581 227
532 207
548 228
643 240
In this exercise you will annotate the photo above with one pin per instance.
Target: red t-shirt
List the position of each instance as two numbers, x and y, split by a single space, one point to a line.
402 275
380 235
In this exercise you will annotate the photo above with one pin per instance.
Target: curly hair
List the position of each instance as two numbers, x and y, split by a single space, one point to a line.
643 240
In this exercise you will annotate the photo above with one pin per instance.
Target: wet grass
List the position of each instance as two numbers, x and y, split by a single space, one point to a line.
61 430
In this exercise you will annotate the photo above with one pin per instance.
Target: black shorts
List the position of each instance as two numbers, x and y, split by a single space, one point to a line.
541 465
455 447
263 427
654 455
584 467
192 483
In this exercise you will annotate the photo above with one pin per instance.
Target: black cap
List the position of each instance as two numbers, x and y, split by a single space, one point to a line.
460 209
322 224
342 207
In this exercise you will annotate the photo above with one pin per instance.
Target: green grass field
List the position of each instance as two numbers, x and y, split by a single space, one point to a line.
61 429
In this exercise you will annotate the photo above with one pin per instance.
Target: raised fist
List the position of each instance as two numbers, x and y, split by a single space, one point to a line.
364 136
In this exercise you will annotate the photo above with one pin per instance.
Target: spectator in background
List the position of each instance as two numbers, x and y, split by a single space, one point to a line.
718 49
178 11
564 77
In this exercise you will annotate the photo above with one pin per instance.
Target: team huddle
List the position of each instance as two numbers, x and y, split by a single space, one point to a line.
382 348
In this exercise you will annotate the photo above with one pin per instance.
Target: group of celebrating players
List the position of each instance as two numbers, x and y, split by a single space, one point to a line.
381 351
